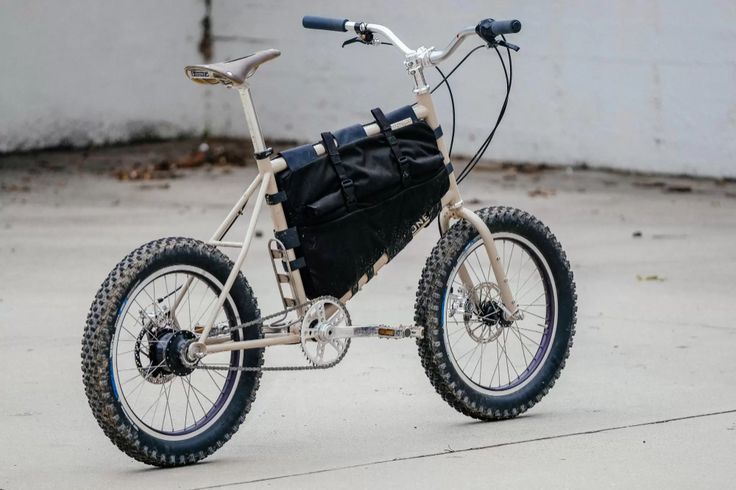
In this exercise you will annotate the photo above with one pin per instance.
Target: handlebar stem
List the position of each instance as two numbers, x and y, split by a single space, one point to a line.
415 67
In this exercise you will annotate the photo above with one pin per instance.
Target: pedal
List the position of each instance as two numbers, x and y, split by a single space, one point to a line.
401 332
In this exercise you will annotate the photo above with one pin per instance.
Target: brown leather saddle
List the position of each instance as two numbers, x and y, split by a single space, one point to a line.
233 72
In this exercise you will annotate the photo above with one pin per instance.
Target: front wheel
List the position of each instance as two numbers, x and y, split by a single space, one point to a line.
152 405
482 365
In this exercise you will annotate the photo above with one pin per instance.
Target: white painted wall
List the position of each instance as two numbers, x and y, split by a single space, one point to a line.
85 71
646 85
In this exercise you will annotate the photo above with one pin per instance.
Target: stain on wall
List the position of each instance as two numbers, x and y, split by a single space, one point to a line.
610 84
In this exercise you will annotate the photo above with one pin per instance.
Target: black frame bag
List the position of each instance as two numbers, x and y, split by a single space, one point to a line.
367 196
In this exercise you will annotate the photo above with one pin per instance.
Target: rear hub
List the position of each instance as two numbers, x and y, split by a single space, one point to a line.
164 349
175 346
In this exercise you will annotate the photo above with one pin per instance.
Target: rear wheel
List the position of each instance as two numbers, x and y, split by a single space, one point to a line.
481 364
153 405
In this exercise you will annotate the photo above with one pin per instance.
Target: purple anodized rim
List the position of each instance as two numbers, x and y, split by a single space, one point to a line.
219 403
224 392
545 341
227 388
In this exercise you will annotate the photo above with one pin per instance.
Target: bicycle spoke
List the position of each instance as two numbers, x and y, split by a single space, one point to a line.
511 256
477 259
188 406
196 397
155 410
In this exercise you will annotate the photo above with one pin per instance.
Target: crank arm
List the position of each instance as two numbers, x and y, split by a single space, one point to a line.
379 331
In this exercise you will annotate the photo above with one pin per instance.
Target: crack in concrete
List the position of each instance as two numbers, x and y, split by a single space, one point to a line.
465 450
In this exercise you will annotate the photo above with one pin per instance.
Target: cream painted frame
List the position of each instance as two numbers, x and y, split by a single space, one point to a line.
265 183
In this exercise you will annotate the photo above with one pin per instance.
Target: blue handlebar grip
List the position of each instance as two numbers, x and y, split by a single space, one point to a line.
324 23
505 26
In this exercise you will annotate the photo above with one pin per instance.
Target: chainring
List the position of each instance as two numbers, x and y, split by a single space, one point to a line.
262 320
326 312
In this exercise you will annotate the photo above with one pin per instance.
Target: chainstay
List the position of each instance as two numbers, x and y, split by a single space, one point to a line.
259 321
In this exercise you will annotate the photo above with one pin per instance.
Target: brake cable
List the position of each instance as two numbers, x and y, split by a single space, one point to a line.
449 91
508 75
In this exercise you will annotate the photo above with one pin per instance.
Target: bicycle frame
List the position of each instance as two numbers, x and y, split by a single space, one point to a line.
265 183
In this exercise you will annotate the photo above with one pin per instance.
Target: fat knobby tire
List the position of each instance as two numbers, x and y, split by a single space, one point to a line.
99 332
429 313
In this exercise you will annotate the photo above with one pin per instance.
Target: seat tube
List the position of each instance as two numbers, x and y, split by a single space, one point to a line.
266 170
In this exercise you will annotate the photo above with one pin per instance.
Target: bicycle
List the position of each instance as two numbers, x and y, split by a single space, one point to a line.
172 352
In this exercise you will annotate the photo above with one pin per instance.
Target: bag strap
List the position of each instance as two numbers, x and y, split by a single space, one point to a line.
386 130
346 183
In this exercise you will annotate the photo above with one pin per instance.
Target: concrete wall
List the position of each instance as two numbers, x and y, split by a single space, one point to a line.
79 72
646 85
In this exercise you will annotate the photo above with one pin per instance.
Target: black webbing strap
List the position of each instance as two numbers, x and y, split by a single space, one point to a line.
348 189
394 144
298 263
288 237
277 198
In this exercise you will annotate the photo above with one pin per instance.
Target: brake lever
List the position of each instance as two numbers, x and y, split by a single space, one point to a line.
370 42
353 40
506 45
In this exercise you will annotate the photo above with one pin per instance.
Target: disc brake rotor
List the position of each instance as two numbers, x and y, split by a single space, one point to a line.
483 320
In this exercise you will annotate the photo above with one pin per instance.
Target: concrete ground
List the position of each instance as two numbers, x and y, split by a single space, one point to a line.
647 399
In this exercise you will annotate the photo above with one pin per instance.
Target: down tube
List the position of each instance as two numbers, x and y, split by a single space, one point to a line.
452 202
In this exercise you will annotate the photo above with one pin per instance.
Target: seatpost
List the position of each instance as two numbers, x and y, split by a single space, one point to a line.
251 119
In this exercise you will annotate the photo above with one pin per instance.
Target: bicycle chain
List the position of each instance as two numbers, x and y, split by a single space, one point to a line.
261 320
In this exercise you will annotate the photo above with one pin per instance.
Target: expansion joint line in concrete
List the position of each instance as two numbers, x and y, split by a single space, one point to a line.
477 448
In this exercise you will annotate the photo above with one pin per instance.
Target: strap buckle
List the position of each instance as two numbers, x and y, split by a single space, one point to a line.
393 142
346 183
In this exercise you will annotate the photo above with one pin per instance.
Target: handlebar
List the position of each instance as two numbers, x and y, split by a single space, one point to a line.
324 23
487 29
